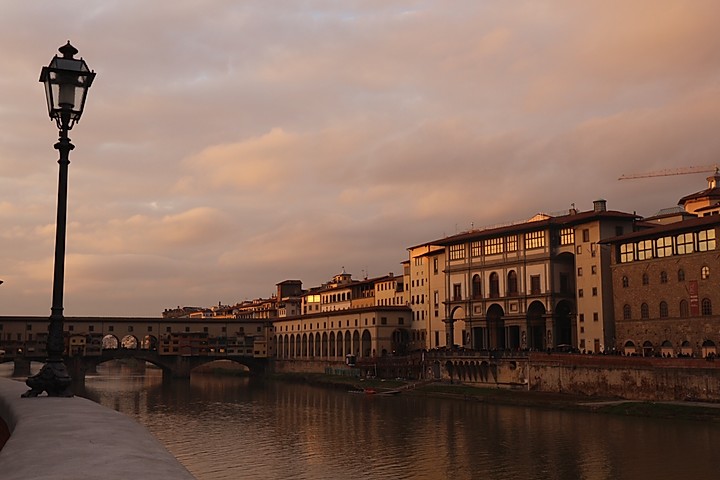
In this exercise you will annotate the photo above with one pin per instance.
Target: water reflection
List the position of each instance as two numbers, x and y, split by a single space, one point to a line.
230 427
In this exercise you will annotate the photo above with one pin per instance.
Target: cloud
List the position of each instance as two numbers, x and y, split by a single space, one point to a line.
227 146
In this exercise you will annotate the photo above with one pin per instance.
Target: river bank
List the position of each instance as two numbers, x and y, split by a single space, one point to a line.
694 411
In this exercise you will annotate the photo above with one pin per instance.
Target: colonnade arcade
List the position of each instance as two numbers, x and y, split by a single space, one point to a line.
536 330
331 345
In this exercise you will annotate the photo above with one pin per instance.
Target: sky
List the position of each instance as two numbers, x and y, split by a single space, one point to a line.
227 146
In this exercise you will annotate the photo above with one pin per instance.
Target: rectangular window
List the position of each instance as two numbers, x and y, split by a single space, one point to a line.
567 236
457 291
586 235
706 240
593 270
436 298
582 317
435 266
594 291
493 246
684 243
476 248
418 261
644 250
457 252
663 247
627 252
596 317
581 293
535 284
534 240
91 328
511 243
579 272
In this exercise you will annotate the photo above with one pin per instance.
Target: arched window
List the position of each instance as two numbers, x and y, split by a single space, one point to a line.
476 286
663 277
663 309
645 279
644 311
627 312
494 285
625 282
512 283
705 272
681 275
706 306
684 310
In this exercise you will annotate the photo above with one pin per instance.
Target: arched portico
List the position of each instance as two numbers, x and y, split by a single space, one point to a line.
496 327
535 326
562 332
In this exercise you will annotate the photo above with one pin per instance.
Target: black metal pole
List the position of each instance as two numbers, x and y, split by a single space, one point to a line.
53 377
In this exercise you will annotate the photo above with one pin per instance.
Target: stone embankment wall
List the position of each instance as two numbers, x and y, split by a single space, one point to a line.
634 378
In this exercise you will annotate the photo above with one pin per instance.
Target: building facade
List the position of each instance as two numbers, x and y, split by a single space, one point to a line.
666 282
538 284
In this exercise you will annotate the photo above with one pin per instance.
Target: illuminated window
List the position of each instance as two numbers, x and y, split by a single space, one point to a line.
684 243
663 247
567 236
512 243
534 240
706 240
476 248
644 250
627 252
457 252
493 246
625 282
705 272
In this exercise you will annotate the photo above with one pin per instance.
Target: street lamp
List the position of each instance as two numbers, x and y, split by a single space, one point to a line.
67 80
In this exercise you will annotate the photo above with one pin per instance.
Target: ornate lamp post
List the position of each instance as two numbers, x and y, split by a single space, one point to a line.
67 80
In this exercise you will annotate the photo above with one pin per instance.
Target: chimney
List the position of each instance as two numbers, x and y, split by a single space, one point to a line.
599 206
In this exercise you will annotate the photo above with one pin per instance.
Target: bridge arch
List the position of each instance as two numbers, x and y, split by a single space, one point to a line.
149 342
110 342
130 342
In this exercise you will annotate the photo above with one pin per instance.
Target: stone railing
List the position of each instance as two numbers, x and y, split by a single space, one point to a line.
75 438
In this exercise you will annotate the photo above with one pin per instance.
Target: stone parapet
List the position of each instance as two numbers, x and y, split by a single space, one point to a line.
75 438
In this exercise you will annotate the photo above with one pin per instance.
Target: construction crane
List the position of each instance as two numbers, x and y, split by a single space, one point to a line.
673 171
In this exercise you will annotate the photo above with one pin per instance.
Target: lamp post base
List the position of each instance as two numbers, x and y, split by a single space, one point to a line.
53 378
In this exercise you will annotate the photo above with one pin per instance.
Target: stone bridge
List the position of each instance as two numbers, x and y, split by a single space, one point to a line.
173 366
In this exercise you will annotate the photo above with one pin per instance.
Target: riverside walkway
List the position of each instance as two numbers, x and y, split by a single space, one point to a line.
76 439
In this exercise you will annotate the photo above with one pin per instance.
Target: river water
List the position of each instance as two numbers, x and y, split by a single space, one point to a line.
224 427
